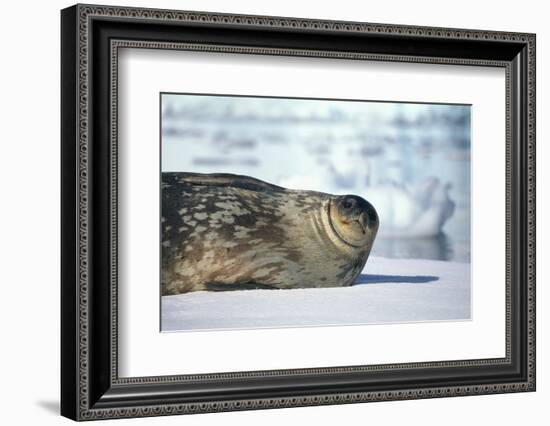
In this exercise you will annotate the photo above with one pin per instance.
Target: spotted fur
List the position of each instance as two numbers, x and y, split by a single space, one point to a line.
228 232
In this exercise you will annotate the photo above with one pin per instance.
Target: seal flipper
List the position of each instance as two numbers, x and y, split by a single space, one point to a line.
238 286
220 179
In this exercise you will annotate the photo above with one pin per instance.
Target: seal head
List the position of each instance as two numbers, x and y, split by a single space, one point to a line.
354 219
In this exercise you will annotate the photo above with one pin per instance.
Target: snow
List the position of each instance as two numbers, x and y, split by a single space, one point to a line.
388 291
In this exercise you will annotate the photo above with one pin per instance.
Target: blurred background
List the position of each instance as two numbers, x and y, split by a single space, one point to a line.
411 161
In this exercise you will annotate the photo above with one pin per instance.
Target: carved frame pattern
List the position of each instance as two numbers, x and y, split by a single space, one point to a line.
85 409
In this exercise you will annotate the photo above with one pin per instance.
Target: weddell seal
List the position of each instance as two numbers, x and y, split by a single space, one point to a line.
227 232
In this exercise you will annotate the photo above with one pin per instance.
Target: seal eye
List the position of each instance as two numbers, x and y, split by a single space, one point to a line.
348 204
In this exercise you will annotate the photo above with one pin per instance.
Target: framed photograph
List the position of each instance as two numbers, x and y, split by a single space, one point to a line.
263 212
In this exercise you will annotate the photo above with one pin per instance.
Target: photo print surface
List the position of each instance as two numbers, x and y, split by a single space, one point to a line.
291 212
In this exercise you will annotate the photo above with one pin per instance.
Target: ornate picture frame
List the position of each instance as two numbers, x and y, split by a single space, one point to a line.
91 39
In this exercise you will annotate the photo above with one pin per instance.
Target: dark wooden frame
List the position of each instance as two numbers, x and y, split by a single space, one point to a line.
90 386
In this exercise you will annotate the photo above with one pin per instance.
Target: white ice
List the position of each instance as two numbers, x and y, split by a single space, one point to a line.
388 291
411 211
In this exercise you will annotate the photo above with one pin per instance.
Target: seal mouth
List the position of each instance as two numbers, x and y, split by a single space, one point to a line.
358 222
362 221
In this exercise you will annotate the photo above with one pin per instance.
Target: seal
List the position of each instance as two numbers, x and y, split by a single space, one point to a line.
227 232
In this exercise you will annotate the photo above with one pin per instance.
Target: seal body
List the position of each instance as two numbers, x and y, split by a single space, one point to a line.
224 232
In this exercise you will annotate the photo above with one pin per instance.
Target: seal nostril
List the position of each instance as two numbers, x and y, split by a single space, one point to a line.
364 219
363 222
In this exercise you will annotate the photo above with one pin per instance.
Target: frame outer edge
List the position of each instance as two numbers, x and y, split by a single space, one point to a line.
82 137
531 205
69 221
81 339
